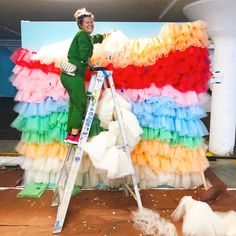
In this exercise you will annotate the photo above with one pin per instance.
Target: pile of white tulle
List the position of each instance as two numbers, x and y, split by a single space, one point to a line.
200 220
106 150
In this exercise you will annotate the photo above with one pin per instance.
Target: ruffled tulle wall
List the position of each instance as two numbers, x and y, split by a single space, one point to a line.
164 82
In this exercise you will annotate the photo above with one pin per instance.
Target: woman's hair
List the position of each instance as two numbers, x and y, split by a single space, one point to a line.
80 14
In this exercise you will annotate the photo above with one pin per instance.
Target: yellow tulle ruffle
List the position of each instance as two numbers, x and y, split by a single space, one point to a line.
161 157
34 151
146 51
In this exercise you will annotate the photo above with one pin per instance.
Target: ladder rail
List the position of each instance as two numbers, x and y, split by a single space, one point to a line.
68 180
61 178
124 138
62 209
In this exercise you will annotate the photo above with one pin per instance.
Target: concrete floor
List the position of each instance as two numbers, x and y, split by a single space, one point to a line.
225 170
91 213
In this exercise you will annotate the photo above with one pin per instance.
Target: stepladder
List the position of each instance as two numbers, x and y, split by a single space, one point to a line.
72 162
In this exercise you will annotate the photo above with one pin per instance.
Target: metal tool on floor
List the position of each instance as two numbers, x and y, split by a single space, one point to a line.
74 156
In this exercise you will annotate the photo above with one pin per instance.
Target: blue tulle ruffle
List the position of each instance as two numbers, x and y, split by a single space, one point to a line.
183 127
165 106
163 113
41 109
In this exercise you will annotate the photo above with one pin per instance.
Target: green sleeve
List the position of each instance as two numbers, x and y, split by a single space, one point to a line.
97 38
84 50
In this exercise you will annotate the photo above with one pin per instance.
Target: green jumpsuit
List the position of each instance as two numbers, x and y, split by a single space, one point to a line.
81 49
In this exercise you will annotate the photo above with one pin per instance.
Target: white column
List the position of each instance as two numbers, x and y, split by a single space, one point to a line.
220 16
223 103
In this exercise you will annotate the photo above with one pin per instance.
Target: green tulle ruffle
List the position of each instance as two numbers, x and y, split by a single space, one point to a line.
44 138
48 129
41 124
171 137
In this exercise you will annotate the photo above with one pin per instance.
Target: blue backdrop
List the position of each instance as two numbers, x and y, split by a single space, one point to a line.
37 34
6 66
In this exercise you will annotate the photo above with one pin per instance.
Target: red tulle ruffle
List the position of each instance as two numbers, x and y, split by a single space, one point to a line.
23 56
185 71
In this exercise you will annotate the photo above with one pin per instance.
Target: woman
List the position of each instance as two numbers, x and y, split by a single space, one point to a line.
81 49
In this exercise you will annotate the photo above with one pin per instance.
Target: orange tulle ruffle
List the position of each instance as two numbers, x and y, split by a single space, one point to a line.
34 151
161 157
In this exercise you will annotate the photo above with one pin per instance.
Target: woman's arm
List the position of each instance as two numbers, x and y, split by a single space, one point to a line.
98 38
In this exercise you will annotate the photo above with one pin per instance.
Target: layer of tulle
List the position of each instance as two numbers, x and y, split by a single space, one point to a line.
35 85
120 51
189 98
48 137
53 135
48 129
157 115
35 151
39 96
161 157
165 106
172 137
41 109
41 124
45 170
33 79
183 127
23 57
185 71
147 178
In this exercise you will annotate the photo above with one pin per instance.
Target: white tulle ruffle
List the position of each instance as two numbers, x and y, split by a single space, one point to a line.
45 170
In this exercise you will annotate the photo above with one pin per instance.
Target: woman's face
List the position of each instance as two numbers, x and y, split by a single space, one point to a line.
87 24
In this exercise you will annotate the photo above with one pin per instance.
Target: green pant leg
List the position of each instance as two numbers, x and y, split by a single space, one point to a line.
70 111
65 80
78 101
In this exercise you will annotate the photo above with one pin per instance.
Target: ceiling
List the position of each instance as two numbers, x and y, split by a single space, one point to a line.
13 11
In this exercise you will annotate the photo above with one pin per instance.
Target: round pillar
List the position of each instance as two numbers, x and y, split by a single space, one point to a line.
220 17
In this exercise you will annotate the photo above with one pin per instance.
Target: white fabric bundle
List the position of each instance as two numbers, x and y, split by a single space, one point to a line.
113 46
106 113
106 109
105 155
105 150
200 220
